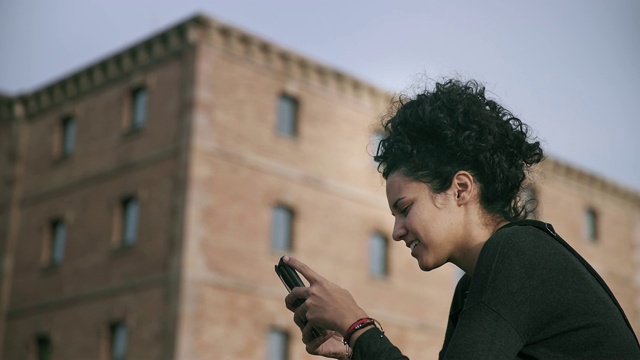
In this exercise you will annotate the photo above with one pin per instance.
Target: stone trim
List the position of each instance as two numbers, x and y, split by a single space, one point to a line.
151 50
89 296
591 180
244 44
196 30
102 175
296 175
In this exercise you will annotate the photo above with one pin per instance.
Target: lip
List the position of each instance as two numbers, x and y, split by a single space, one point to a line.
414 250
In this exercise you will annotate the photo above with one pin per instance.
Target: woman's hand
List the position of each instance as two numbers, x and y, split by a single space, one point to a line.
327 307
328 344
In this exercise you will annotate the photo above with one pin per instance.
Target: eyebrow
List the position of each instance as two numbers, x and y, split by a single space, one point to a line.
395 203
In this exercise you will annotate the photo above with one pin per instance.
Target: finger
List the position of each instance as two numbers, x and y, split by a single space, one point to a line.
303 269
299 317
296 297
311 334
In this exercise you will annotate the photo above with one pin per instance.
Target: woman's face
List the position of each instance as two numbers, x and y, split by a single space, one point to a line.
428 223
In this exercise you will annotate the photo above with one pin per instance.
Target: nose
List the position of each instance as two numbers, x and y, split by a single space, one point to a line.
399 230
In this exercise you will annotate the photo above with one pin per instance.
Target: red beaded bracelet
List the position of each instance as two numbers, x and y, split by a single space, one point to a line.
359 324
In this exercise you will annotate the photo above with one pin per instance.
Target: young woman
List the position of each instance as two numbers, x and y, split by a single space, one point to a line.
454 163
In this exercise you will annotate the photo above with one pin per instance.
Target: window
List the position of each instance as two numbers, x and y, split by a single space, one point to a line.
68 136
282 228
287 115
44 348
277 345
591 224
530 202
118 343
58 239
139 99
130 215
378 259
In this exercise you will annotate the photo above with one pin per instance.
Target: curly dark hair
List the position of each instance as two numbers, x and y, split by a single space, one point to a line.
435 134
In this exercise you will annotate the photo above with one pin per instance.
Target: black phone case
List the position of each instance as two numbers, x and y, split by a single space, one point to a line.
291 279
288 275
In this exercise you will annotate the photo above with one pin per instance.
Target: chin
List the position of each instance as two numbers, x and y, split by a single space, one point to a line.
428 266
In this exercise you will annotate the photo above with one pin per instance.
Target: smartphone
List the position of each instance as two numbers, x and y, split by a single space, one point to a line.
290 278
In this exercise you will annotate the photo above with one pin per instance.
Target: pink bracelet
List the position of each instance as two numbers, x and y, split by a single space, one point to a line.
359 324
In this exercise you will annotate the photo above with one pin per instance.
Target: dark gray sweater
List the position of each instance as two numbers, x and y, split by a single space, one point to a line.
531 297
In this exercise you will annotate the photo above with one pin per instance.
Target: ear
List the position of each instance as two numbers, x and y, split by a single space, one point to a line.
464 187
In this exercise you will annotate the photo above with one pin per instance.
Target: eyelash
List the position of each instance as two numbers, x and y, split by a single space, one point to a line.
404 211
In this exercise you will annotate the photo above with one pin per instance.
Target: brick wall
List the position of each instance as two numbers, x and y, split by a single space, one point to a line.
98 281
207 169
241 167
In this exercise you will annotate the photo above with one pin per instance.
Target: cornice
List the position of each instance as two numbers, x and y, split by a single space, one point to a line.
198 29
270 55
151 50
557 167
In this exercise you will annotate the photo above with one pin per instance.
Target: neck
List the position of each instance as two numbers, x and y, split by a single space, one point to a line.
478 232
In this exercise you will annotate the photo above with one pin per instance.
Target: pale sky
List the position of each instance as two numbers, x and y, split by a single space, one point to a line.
568 68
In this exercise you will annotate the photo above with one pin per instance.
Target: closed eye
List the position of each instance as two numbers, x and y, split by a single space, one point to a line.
404 211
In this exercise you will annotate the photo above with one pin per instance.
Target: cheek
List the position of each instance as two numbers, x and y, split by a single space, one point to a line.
411 223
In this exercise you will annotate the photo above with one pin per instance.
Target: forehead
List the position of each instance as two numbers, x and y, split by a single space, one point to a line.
396 181
399 185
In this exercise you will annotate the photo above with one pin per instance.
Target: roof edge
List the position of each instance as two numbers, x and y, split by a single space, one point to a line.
595 181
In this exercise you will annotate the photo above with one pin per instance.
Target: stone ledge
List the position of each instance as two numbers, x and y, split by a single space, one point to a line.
196 30
87 296
244 44
594 181
151 50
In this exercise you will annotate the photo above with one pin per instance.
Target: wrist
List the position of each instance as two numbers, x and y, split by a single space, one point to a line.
348 322
356 334
359 327
355 328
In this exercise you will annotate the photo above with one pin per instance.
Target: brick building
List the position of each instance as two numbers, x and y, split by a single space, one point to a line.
145 199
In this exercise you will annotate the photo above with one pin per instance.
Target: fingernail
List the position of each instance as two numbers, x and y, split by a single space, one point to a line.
285 258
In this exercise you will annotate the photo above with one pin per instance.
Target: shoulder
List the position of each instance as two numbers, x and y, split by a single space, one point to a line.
460 293
521 240
519 256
